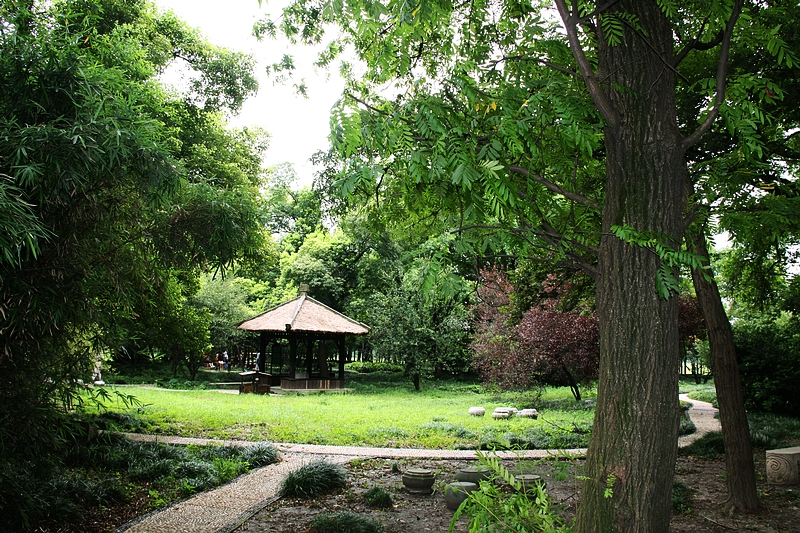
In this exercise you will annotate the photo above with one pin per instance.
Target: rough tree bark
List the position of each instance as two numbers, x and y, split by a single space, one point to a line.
634 441
740 474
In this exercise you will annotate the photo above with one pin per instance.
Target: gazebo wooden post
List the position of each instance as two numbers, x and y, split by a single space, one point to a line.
342 355
292 356
310 355
262 351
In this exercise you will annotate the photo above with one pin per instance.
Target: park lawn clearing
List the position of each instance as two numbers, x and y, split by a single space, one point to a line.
436 417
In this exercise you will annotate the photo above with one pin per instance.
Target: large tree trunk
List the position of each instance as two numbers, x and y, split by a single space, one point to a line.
740 474
634 441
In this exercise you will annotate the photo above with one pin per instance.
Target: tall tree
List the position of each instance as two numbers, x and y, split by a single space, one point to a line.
739 467
508 125
119 181
744 175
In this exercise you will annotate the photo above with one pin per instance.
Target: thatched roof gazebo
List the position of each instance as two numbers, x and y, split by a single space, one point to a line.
308 326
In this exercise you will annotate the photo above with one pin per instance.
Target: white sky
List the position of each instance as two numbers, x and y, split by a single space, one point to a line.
298 126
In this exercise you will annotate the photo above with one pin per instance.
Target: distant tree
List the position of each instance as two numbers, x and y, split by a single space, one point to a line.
425 331
547 346
691 328
292 213
229 301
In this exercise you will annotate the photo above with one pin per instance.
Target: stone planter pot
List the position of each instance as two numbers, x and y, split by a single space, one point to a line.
472 474
529 481
458 491
477 411
418 480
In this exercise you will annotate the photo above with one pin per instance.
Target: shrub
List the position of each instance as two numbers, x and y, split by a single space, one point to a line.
313 479
261 454
686 427
116 421
769 364
226 469
344 522
370 367
705 396
148 470
770 431
378 497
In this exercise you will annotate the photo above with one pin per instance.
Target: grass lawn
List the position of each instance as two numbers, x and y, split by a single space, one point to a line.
382 411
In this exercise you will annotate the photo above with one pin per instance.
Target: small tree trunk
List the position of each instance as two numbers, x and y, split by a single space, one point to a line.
573 385
740 475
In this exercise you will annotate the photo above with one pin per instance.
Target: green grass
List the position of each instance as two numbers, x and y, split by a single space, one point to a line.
688 386
382 412
705 396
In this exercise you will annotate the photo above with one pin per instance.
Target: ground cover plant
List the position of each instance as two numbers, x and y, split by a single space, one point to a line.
313 479
344 522
107 470
383 410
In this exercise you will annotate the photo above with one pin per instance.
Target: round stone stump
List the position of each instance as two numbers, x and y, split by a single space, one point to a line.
529 481
458 491
418 480
477 411
472 474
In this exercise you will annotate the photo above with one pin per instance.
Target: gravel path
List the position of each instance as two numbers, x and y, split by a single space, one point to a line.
227 507
702 414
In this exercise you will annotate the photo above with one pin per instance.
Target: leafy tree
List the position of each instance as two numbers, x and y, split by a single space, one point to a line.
119 186
767 350
744 176
292 214
498 128
427 331
546 347
229 301
565 343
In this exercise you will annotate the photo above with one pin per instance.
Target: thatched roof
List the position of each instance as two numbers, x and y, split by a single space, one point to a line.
304 314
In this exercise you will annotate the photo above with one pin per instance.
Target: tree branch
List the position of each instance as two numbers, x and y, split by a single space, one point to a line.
596 12
599 97
695 44
553 187
536 60
722 73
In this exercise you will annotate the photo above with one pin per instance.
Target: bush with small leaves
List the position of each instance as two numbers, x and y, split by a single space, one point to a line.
686 427
378 497
313 479
344 522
